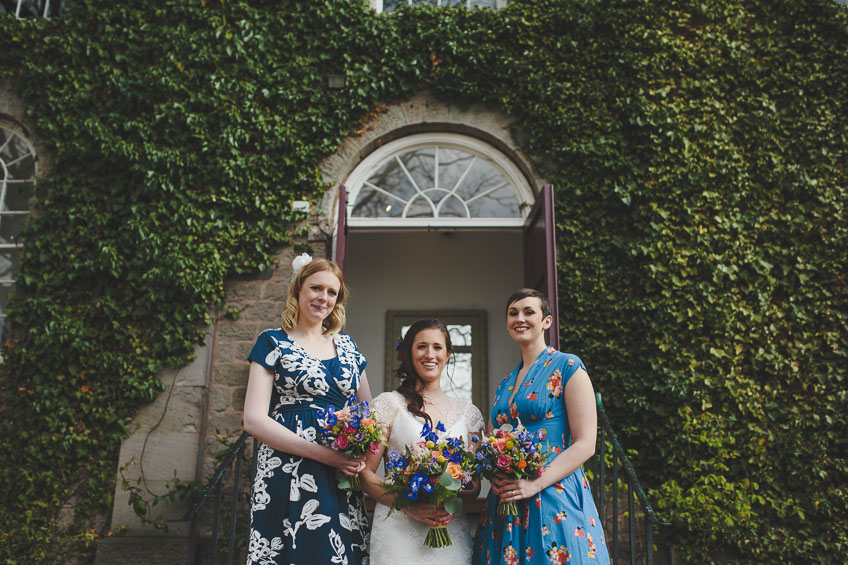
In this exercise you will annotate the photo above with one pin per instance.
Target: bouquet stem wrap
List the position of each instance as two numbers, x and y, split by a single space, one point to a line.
507 508
438 536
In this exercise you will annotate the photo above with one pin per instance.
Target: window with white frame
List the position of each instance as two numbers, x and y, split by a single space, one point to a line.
437 179
34 8
17 181
392 5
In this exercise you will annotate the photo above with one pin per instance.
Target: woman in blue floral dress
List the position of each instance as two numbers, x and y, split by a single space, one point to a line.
548 391
297 513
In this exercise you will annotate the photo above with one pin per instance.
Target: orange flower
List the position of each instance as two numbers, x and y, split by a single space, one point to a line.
522 464
455 469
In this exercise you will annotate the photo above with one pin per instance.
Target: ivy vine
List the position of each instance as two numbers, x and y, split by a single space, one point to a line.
698 151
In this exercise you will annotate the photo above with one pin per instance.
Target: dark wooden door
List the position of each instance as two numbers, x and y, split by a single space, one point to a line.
540 270
340 236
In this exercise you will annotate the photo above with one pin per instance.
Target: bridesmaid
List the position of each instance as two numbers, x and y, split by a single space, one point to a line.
297 512
548 391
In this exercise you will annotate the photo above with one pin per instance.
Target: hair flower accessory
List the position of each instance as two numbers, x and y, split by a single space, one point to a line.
300 262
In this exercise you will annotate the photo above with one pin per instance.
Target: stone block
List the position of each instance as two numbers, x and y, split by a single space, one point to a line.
276 292
123 514
232 374
165 453
223 351
262 311
226 423
242 349
237 398
182 407
242 291
238 330
219 398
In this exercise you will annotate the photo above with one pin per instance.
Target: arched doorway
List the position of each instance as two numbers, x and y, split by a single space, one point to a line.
436 226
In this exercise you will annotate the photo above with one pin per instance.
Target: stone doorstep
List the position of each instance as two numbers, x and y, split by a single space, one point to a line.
147 550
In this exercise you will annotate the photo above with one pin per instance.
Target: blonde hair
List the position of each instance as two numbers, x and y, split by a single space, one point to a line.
333 323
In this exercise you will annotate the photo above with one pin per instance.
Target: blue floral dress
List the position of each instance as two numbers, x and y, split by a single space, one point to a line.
297 512
559 524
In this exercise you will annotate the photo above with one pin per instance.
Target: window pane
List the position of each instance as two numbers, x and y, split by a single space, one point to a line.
17 196
421 164
420 208
482 177
374 204
5 291
482 4
452 208
452 164
460 335
392 178
497 204
10 259
10 227
456 380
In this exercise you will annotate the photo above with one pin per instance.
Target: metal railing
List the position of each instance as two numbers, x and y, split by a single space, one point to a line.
230 465
639 549
638 552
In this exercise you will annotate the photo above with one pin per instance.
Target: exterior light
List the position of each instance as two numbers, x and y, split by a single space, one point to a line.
336 81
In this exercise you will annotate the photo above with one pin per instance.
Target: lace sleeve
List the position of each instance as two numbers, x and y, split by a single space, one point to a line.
474 419
385 408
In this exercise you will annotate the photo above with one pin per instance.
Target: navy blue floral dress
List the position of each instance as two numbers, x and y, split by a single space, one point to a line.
560 524
297 512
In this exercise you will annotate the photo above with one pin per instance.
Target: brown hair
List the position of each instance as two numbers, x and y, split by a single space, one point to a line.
409 379
522 293
336 320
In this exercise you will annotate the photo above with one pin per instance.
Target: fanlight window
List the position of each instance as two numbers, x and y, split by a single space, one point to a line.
17 180
438 181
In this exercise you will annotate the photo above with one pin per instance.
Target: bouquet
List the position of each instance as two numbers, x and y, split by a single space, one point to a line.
513 452
431 471
351 431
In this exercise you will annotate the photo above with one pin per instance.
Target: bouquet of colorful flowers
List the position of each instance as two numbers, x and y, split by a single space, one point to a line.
431 471
514 453
351 431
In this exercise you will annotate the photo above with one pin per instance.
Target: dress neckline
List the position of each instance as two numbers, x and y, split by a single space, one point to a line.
513 389
299 347
453 415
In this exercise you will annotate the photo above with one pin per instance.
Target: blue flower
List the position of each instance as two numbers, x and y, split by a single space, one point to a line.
411 495
475 439
427 486
456 457
332 419
440 426
355 421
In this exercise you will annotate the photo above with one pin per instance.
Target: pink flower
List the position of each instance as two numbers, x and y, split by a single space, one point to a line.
504 461
348 429
342 442
375 448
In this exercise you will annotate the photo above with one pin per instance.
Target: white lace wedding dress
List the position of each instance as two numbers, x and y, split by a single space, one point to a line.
399 538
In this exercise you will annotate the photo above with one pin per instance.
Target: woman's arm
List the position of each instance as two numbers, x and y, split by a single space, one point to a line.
579 399
364 392
261 426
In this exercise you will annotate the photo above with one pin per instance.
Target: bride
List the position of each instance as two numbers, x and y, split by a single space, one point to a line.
419 399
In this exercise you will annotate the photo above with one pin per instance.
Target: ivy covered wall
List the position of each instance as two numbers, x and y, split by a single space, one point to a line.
698 151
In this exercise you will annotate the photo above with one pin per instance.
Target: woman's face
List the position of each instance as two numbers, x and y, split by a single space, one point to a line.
524 320
318 295
429 354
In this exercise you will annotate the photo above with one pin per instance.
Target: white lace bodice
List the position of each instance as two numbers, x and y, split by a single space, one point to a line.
398 538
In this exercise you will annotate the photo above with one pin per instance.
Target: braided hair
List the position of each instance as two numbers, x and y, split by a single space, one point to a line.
410 381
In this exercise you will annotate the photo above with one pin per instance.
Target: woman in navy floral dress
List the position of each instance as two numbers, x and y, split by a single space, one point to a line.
297 513
548 391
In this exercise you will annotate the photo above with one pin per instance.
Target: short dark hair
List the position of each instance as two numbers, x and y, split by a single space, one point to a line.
522 293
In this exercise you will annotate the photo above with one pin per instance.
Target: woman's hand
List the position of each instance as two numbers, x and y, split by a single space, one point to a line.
431 515
350 466
513 490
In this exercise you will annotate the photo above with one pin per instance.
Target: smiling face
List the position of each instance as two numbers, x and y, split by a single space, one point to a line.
318 295
525 321
429 355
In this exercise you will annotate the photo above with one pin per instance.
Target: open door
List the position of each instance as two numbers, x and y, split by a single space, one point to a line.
540 270
340 233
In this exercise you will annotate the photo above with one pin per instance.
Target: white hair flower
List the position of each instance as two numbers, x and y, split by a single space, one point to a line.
300 262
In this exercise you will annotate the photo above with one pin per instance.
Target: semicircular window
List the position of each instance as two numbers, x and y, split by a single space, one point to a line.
443 180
